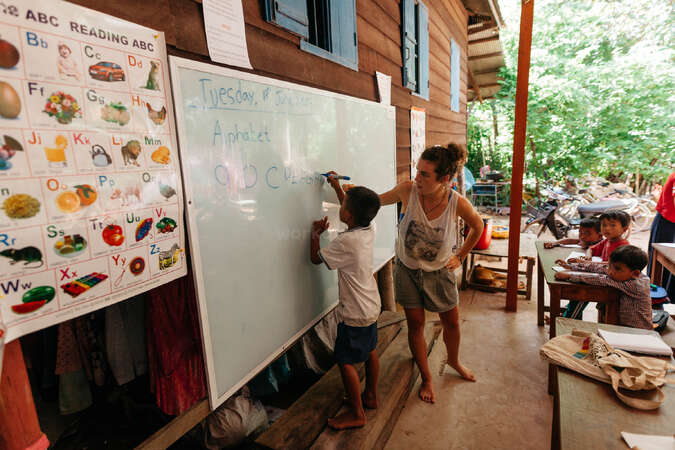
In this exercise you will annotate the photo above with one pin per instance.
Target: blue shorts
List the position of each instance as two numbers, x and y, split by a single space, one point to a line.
354 344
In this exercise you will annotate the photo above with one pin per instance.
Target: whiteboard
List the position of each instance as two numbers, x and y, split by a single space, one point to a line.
252 151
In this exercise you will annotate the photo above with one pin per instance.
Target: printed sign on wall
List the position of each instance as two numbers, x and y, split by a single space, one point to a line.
417 138
90 191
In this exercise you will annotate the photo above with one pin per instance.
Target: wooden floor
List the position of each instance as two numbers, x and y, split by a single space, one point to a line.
508 407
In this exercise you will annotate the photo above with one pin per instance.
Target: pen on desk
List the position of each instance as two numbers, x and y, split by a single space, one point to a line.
339 177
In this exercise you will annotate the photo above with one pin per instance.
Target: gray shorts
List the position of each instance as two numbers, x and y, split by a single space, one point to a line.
434 291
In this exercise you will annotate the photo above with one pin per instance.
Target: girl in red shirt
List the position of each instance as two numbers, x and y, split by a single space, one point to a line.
663 229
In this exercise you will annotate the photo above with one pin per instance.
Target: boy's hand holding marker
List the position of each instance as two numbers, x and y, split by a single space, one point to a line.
319 226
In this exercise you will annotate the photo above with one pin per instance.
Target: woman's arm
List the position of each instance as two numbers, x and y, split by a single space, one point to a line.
400 193
466 211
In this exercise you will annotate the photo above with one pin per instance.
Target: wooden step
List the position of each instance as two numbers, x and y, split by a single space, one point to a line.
398 375
300 425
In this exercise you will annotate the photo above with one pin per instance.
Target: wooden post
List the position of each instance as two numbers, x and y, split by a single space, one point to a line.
520 127
19 426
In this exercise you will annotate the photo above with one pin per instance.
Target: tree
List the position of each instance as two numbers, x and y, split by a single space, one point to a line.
600 95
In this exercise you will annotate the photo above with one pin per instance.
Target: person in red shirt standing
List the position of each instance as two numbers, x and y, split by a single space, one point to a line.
663 229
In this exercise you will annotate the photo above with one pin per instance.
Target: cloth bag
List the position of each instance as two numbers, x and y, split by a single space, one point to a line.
589 354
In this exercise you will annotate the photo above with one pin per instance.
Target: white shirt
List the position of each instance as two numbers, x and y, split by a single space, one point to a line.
351 253
426 244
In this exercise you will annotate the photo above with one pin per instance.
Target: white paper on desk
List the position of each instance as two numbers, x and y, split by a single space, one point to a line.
570 246
558 268
576 255
648 441
225 32
596 259
384 87
649 344
667 244
669 308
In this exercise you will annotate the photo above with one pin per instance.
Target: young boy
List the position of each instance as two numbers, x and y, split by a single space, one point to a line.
613 224
624 273
589 234
351 253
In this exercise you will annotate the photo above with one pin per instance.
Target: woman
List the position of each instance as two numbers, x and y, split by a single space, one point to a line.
425 253
663 229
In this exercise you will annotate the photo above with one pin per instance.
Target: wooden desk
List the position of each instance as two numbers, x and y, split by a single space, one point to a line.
500 248
663 258
587 413
569 291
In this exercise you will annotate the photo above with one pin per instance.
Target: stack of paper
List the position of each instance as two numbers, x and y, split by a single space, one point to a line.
649 344
576 255
669 308
648 441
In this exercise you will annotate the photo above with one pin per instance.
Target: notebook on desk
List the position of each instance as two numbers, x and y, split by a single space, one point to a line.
648 344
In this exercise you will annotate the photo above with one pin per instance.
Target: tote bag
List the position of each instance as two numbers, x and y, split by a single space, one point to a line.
589 354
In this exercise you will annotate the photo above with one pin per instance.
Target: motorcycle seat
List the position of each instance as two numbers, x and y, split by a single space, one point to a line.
600 207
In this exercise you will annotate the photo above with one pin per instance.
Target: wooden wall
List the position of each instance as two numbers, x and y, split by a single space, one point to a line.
275 52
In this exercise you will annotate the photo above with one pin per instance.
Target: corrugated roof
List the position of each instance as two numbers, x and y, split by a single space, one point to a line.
485 50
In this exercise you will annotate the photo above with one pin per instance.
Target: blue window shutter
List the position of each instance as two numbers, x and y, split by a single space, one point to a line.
423 50
454 76
409 44
289 14
343 30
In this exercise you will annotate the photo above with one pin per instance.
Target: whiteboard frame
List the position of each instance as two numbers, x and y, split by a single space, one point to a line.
176 63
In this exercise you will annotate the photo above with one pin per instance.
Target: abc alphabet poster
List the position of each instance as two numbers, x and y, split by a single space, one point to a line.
90 192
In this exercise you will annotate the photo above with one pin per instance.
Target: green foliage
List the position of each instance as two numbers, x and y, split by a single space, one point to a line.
601 92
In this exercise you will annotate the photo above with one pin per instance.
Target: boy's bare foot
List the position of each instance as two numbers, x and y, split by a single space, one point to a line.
369 400
347 420
426 392
463 372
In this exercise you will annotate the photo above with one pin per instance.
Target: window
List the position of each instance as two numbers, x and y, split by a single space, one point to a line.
415 46
328 27
454 76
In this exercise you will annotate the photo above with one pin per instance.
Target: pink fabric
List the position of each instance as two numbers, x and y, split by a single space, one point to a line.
605 248
665 205
176 366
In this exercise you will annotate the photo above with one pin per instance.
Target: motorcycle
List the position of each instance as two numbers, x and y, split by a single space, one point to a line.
546 216
638 212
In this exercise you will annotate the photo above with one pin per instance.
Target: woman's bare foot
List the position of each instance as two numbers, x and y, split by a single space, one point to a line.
426 392
347 420
463 371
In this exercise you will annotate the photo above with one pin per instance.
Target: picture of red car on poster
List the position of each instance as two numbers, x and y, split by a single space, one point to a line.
106 71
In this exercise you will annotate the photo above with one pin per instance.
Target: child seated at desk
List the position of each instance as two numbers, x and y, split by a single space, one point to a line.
624 273
351 253
589 234
613 225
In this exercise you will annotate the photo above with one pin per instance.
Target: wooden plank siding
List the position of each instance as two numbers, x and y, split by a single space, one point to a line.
276 53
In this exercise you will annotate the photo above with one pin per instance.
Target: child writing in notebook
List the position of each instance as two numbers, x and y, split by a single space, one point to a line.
624 273
351 253
589 234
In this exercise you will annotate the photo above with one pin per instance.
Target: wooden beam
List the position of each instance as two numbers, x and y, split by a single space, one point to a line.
486 39
491 85
398 374
485 26
19 426
476 88
175 429
305 419
487 55
520 126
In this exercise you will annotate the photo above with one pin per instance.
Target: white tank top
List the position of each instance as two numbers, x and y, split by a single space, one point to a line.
422 243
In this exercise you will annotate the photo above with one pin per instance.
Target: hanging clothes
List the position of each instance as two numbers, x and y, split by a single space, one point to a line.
175 362
125 339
